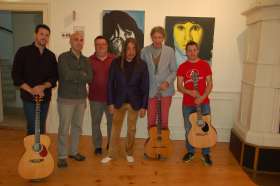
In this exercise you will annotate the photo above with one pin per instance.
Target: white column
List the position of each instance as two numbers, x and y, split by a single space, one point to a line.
259 116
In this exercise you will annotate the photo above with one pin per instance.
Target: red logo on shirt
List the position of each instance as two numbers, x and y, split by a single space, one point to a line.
188 76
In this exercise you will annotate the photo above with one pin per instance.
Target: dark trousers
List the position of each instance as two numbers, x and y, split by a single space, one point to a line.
29 111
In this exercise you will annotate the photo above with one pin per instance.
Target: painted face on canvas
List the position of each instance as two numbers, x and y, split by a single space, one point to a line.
185 32
119 37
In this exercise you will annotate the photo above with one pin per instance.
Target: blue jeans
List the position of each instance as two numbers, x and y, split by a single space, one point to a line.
96 110
29 112
187 110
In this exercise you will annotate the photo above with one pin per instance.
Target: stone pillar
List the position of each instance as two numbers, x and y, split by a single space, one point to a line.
257 127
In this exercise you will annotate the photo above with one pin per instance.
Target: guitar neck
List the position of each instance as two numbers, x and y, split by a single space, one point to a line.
198 107
198 111
37 122
158 114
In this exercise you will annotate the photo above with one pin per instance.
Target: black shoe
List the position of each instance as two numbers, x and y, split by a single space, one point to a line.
98 151
188 157
77 157
62 163
207 160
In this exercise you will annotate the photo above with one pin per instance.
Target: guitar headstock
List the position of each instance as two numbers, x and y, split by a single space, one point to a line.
195 78
38 99
158 95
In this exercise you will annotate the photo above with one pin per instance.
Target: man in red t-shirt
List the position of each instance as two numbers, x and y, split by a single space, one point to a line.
100 63
185 85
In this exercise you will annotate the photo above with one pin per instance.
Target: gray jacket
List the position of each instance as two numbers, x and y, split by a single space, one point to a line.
166 69
73 74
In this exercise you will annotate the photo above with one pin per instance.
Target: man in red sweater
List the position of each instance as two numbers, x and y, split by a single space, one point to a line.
100 63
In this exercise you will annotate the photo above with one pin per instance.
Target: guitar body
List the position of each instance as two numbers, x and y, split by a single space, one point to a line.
158 145
197 137
36 165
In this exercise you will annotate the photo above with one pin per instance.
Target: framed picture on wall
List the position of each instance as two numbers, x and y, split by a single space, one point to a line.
118 25
181 30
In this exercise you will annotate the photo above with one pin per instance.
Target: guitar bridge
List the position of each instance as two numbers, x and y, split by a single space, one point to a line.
201 134
36 160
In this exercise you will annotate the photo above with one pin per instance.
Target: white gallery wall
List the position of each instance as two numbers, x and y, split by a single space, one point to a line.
228 49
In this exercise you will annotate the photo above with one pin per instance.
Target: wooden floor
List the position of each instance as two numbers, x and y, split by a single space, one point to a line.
173 171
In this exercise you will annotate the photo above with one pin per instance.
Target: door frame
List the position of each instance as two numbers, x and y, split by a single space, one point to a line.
23 7
27 7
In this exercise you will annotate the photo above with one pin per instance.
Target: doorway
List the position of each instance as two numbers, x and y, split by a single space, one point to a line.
16 30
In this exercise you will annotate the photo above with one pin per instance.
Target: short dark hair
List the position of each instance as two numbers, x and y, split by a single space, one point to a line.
42 26
191 43
101 37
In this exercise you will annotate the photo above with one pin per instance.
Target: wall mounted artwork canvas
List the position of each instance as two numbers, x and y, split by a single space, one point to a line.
118 25
181 30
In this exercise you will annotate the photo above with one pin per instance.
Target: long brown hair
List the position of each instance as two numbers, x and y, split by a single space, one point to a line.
124 49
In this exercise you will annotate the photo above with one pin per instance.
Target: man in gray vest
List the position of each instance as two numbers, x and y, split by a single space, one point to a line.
74 73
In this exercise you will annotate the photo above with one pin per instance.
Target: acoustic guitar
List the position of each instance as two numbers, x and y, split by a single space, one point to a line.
158 145
202 133
36 163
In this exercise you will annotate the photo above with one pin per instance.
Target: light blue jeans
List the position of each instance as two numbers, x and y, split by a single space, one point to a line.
70 116
187 110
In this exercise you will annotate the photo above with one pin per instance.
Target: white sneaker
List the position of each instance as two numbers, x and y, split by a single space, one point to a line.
106 159
130 159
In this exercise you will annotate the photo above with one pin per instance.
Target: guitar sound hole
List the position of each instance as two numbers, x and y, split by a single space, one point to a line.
41 149
200 122
37 147
205 128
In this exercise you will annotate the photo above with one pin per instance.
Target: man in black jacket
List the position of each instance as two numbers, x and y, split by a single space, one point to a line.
35 73
128 92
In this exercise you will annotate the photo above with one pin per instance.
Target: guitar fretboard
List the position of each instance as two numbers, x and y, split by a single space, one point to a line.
195 78
37 120
158 113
